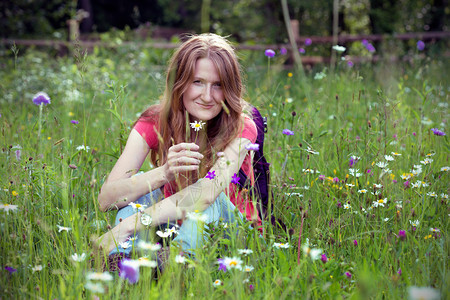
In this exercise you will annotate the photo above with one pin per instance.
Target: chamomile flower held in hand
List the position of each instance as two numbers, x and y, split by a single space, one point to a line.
197 125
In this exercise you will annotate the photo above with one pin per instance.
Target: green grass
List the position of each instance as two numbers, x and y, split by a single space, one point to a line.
367 111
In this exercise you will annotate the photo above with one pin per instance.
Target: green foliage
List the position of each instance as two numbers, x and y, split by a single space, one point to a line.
53 175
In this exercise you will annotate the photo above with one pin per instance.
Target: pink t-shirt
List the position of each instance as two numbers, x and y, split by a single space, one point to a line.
239 198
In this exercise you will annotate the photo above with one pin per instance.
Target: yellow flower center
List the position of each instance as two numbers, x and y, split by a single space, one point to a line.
233 263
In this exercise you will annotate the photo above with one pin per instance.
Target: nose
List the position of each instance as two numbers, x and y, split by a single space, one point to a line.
207 93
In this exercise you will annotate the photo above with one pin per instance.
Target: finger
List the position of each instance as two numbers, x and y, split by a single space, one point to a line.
180 169
184 153
184 146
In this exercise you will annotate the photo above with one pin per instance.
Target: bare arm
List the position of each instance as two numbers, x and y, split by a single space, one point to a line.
197 196
121 188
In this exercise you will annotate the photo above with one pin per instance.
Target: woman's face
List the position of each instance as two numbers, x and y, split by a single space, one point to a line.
204 96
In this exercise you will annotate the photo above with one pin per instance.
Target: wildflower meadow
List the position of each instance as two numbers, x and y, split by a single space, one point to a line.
359 169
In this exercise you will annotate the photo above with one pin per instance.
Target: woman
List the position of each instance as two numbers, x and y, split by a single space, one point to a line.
196 138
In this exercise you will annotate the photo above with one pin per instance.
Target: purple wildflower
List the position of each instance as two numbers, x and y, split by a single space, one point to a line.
406 184
402 235
235 179
414 134
324 258
353 160
348 274
301 50
365 42
283 51
370 47
394 181
420 45
437 132
41 98
129 269
355 242
10 269
74 122
269 53
222 266
321 177
211 175
252 147
288 132
18 154
350 63
368 171
335 180
339 204
251 287
308 42
399 271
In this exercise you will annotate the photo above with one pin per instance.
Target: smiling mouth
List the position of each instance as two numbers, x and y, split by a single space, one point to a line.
204 106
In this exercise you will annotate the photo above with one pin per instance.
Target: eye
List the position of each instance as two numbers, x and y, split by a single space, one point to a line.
217 85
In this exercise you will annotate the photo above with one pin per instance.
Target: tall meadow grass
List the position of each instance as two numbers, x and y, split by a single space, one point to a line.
361 186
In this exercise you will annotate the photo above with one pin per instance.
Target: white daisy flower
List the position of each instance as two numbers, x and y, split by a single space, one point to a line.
248 268
281 245
37 268
137 206
445 169
382 164
197 125
245 251
339 48
95 287
148 246
354 172
232 262
145 262
414 223
125 245
179 259
78 258
347 206
426 161
168 232
105 276
83 147
8 207
310 150
62 228
217 283
388 157
418 293
311 252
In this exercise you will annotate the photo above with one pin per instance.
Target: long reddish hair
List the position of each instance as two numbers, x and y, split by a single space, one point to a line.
171 114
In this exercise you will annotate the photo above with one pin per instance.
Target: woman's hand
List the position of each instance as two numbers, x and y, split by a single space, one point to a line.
119 234
181 158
